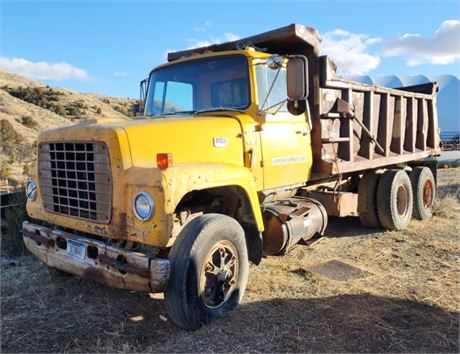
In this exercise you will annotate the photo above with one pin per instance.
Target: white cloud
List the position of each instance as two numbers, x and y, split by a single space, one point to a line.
207 24
442 48
350 51
226 37
120 74
197 43
42 70
229 36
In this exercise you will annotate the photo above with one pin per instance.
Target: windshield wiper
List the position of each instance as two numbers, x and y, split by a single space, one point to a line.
179 112
218 109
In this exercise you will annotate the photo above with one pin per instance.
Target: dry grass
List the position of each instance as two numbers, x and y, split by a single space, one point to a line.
448 206
409 302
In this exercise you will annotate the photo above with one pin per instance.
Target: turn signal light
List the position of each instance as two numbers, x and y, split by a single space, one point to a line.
164 160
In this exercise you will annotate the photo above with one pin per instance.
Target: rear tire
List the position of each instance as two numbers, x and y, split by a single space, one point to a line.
424 192
209 271
394 200
367 200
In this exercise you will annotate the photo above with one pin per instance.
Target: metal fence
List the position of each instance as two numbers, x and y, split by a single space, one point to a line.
450 141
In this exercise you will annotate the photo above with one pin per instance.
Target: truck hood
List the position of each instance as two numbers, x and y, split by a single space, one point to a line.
189 139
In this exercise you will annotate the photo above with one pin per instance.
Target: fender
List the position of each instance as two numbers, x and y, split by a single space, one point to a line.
181 179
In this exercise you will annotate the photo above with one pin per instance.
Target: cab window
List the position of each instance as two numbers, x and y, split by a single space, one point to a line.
278 94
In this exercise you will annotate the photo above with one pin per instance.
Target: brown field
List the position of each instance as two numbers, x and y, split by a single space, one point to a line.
408 300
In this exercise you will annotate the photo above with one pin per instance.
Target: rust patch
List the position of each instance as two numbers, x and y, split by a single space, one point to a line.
119 225
124 267
38 238
100 230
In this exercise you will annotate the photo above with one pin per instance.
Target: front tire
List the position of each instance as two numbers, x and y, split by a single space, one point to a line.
209 271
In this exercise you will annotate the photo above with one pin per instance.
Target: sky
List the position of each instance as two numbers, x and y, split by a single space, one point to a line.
107 47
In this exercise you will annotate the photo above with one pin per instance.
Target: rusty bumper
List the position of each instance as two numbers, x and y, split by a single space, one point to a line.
98 261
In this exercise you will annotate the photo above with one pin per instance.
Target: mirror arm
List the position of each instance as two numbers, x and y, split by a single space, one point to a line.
261 110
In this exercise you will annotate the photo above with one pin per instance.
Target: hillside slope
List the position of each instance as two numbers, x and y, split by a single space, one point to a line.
28 107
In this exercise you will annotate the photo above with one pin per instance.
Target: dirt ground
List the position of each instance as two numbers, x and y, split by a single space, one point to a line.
408 299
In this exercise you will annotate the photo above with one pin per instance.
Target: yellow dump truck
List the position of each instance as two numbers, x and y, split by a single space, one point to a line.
243 150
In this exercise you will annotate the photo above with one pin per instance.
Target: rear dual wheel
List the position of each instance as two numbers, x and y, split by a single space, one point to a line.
391 199
424 192
367 199
394 200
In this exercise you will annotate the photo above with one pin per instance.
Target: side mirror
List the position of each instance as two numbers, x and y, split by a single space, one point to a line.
297 77
142 95
297 83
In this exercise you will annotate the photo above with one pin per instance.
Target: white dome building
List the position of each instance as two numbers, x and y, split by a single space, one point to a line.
448 95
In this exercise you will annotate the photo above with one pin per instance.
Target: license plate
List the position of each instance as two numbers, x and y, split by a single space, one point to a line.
76 249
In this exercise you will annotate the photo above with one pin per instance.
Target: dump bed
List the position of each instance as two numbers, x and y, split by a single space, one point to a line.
361 126
355 126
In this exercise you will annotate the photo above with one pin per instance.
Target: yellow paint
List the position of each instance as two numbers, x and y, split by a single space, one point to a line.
262 152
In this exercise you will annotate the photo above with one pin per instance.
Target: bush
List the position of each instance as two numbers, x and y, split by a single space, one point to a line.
40 96
25 151
7 132
13 144
26 169
5 171
73 110
12 243
120 110
29 122
99 110
9 138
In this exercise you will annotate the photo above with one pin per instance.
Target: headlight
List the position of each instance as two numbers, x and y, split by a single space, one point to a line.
31 190
144 206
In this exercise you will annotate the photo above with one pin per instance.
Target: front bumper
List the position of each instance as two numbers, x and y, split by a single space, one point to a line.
101 262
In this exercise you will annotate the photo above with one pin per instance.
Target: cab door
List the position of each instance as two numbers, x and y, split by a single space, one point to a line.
286 150
285 138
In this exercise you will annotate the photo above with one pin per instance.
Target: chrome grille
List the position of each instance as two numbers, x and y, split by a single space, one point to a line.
75 179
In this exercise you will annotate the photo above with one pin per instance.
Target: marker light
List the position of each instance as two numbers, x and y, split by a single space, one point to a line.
164 160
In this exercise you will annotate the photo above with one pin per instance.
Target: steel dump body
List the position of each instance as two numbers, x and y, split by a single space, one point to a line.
365 126
354 126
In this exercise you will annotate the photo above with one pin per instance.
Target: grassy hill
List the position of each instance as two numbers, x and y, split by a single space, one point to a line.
28 107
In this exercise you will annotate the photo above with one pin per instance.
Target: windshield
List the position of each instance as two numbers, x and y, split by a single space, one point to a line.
208 84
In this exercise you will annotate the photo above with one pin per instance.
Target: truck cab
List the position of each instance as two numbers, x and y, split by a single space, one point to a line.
250 87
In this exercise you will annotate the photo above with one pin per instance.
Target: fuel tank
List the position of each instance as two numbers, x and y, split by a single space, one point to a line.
291 220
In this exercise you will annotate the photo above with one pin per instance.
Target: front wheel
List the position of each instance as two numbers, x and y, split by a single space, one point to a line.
209 271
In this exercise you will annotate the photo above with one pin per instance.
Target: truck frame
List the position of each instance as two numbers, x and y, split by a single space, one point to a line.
243 150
